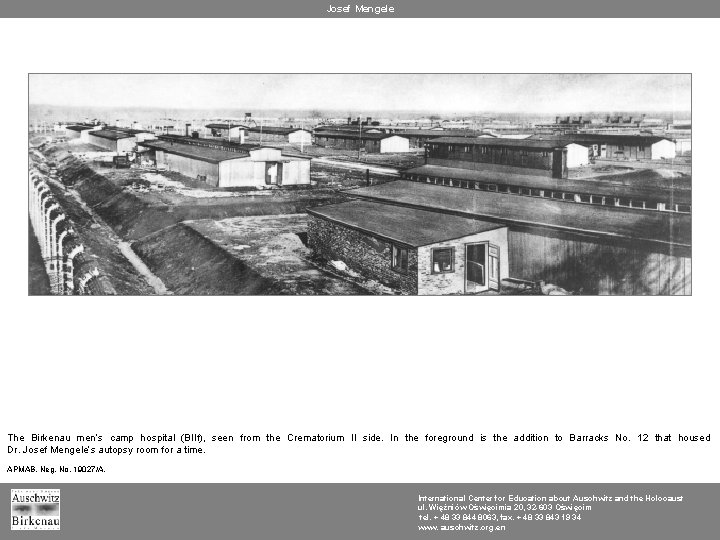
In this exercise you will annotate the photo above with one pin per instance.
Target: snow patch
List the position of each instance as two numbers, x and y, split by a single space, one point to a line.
339 265
669 173
199 193
94 156
162 182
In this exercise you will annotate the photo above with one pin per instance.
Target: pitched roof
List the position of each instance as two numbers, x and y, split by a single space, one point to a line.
274 130
239 149
225 126
662 227
348 135
208 142
111 134
643 184
408 226
132 131
79 127
599 138
500 142
201 153
438 133
398 130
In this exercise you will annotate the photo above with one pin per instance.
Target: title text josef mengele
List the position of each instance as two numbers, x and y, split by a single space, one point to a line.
361 8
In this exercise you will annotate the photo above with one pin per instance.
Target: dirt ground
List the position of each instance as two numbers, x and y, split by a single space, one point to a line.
78 147
274 248
337 176
604 168
638 178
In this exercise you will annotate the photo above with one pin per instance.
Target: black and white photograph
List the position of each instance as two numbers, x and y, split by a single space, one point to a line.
360 184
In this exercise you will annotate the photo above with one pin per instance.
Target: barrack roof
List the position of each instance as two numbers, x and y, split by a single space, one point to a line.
79 127
229 146
408 226
201 153
500 142
644 184
596 138
225 126
275 130
111 134
206 141
662 227
348 135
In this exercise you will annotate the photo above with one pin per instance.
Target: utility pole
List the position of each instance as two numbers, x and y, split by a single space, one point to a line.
360 139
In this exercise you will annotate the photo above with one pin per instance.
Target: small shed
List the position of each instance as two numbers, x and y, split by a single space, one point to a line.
625 147
410 250
663 149
281 134
394 144
300 136
577 155
372 143
80 131
112 140
228 130
141 134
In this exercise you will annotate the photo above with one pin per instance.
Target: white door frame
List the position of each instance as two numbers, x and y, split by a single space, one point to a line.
486 286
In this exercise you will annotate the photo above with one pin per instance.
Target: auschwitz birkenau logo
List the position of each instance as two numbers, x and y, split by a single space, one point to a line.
35 509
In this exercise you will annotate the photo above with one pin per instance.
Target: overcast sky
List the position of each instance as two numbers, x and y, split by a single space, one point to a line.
547 94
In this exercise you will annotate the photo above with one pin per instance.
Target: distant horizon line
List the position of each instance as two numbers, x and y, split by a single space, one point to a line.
358 111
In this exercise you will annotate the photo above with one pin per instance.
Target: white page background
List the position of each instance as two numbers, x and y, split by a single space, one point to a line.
366 365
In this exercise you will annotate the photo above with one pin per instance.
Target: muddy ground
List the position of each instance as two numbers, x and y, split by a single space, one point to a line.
191 264
604 168
274 247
